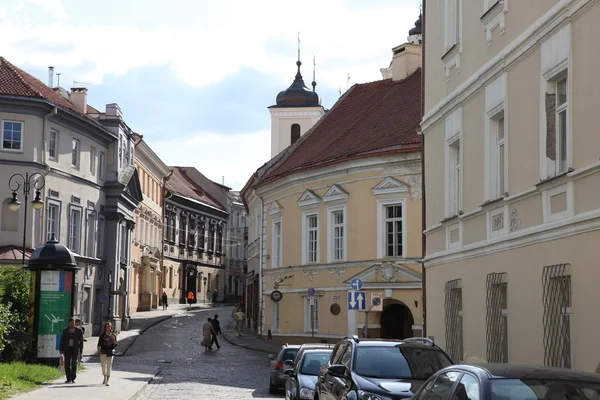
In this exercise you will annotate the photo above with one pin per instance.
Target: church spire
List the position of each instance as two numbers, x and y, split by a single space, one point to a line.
314 82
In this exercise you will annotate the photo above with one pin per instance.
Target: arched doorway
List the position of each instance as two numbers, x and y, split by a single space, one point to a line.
396 322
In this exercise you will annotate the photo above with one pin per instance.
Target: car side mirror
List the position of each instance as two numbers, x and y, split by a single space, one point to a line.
339 371
288 372
288 363
271 356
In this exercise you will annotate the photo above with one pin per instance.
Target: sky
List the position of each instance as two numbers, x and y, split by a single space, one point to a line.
195 77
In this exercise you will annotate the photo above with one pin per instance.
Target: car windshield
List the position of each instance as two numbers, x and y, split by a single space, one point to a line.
289 354
548 389
312 363
396 362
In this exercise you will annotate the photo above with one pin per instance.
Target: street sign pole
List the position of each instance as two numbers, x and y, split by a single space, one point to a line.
366 328
312 320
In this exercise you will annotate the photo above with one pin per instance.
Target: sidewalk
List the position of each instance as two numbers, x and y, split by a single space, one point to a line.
250 341
127 379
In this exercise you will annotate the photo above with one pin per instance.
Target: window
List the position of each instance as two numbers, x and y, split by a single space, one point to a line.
91 234
192 233
453 319
311 231
53 145
12 136
100 238
557 136
311 311
453 158
295 133
75 229
275 316
500 157
53 220
467 388
393 231
556 281
92 161
276 244
219 241
337 234
182 230
211 239
101 165
75 153
452 23
443 385
455 177
201 235
497 318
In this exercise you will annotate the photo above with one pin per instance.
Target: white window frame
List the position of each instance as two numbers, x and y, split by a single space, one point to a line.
11 150
91 251
562 109
276 257
276 317
92 161
53 138
100 235
101 162
331 236
305 233
57 204
74 233
454 175
381 217
452 23
307 308
77 153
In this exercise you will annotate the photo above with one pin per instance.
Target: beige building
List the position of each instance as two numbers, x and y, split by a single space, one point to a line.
344 202
512 178
146 253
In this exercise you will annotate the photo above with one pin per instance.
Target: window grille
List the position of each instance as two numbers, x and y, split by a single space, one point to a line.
496 318
556 281
453 319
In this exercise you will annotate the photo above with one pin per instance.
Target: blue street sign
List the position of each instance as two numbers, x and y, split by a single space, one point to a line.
311 291
356 284
103 297
357 300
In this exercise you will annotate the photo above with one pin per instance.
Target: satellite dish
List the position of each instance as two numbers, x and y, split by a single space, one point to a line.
84 295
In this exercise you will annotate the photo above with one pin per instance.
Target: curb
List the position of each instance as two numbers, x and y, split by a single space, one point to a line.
230 341
150 380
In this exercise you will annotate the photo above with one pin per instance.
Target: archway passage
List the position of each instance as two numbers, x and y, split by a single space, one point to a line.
396 322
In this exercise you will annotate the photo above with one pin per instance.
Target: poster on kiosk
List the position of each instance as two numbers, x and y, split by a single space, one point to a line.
55 310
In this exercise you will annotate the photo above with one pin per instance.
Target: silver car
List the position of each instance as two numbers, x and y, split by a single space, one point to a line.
282 361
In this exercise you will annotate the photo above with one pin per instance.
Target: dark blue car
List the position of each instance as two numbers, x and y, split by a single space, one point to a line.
510 382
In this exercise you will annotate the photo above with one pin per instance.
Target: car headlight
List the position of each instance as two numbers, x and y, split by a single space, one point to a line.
306 393
362 395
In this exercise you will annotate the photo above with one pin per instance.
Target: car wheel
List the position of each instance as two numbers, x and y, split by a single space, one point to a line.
272 389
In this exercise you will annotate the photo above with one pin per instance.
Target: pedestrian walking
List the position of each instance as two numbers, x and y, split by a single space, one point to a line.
165 301
217 328
106 347
239 321
71 344
207 331
215 295
78 325
190 298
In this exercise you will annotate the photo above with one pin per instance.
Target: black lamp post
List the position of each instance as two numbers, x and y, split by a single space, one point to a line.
109 294
18 181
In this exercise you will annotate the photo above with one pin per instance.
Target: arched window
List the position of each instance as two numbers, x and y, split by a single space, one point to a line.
10 219
295 133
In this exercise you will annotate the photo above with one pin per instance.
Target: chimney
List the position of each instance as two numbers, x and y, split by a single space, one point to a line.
51 77
79 98
114 110
406 60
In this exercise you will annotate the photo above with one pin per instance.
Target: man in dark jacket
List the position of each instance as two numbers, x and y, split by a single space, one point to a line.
71 344
217 327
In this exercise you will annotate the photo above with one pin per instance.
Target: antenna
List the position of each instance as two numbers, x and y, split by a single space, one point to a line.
340 91
347 80
83 83
314 82
298 46
223 180
58 76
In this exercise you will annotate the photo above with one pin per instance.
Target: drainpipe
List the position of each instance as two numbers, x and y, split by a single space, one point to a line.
423 196
44 130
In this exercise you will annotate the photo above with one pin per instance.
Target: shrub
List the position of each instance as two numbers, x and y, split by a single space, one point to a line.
14 298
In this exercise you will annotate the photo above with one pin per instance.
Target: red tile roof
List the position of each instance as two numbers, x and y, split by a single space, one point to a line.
13 253
371 118
180 183
16 82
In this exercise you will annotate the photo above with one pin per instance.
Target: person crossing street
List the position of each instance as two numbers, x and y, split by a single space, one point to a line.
217 327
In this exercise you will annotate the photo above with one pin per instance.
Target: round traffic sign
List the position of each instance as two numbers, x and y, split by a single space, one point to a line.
103 297
311 291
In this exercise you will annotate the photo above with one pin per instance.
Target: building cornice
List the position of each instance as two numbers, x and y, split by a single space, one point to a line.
147 151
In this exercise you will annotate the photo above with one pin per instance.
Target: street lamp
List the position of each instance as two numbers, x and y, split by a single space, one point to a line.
18 181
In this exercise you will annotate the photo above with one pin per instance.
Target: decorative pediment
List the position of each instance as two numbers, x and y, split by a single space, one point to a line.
387 272
390 186
275 210
335 194
309 199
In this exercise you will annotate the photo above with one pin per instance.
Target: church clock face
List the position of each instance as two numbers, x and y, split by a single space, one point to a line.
276 295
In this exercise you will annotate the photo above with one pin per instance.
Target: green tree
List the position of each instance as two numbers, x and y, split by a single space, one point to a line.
14 298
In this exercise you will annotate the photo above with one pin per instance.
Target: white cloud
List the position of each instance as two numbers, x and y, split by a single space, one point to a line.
235 157
53 7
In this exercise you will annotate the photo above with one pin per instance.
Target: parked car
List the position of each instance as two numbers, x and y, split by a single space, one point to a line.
372 369
303 348
510 382
302 378
277 378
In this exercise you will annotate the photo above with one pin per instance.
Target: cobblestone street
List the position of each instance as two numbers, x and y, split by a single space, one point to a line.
188 372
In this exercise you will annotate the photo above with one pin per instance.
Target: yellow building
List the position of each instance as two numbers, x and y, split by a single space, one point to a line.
512 178
344 202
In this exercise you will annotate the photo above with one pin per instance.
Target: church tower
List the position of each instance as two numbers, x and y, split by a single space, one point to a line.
296 110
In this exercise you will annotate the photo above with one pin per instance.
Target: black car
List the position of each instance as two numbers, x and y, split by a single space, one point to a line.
510 382
302 378
371 369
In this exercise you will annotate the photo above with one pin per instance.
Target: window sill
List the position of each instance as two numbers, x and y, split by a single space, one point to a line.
494 201
12 150
452 218
494 18
554 178
492 12
450 53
